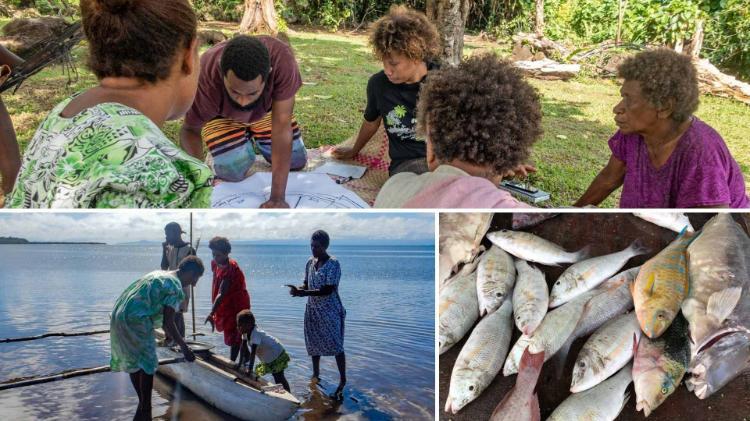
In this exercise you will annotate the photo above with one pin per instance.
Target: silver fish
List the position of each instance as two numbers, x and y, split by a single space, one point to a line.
674 221
612 298
719 262
555 329
460 235
530 297
604 402
587 274
481 358
496 275
458 308
719 275
529 247
609 349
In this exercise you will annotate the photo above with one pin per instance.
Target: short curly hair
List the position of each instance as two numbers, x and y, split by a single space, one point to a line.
220 244
247 57
406 32
136 38
482 112
665 76
191 264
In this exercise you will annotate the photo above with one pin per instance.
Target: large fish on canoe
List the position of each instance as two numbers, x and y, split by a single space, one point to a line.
587 274
529 247
661 286
530 297
460 236
659 365
481 358
458 308
522 403
719 323
608 350
496 275
603 402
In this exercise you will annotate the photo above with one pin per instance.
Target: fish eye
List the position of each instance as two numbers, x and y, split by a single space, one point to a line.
582 364
472 387
498 294
518 317
663 390
660 316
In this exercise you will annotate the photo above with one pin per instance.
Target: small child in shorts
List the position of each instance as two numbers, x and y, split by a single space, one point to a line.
273 357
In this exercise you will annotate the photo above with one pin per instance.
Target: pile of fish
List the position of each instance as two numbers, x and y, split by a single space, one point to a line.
690 317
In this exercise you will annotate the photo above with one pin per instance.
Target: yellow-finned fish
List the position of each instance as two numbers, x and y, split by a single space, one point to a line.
661 286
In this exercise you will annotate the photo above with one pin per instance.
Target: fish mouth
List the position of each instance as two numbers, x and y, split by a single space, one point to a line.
643 405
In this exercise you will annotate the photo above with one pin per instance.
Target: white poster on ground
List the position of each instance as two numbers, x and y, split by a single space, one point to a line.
304 190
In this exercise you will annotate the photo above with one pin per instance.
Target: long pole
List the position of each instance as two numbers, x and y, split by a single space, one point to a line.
192 288
47 335
70 374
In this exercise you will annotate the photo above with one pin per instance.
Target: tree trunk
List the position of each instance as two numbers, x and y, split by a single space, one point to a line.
620 15
693 47
449 16
539 19
259 17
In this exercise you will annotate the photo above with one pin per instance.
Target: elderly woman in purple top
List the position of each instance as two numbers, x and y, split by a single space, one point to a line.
324 313
663 156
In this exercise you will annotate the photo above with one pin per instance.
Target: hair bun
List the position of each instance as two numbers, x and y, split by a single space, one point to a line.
116 6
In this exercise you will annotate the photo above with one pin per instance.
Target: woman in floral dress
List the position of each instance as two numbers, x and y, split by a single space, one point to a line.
148 303
324 313
104 147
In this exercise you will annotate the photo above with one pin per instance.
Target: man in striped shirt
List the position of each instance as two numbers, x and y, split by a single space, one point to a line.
245 100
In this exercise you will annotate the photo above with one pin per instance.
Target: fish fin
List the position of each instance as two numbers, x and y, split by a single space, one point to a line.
561 357
635 345
583 253
721 304
631 287
625 399
638 248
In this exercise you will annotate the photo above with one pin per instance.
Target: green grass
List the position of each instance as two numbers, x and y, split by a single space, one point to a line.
335 68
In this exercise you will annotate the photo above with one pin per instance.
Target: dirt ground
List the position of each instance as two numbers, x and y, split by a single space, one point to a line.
606 233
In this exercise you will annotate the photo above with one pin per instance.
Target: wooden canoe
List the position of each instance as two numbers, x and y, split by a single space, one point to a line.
212 377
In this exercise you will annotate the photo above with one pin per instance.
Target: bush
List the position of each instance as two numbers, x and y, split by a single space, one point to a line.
727 41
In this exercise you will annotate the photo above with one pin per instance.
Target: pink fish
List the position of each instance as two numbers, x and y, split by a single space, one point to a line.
522 403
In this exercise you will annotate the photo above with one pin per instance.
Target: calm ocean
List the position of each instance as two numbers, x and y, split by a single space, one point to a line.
388 292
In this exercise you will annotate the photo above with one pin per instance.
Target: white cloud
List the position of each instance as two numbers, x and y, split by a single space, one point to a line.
119 227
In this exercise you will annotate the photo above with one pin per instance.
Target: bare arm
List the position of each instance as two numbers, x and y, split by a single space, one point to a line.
10 155
6 57
366 131
607 181
281 151
191 141
171 329
325 290
164 261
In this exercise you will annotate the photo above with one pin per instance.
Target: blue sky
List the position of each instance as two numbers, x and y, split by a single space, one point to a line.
128 226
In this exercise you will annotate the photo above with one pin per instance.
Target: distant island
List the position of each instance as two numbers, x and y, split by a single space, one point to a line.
16 240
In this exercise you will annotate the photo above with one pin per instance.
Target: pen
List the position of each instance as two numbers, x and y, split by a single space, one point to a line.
344 180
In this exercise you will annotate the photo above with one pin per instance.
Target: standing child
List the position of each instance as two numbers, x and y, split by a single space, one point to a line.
273 357
228 294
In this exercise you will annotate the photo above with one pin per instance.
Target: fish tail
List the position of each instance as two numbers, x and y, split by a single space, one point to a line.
582 253
637 248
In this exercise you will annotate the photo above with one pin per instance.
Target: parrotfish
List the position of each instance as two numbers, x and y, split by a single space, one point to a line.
661 286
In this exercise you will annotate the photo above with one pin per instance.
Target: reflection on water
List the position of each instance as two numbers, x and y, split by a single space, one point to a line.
388 293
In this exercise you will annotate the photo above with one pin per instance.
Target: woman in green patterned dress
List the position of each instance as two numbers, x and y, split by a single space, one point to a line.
146 304
104 148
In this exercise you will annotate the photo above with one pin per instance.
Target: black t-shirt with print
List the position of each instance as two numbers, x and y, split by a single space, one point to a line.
396 104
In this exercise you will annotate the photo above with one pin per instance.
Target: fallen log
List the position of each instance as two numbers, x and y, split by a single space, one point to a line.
548 69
